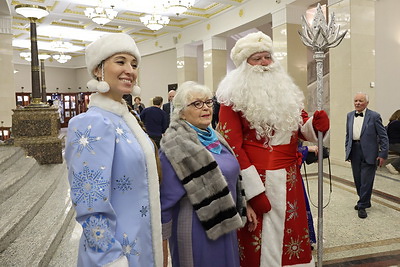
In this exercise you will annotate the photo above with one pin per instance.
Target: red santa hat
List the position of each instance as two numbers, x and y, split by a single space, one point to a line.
252 43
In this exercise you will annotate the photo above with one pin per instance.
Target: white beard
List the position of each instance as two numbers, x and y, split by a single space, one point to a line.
267 97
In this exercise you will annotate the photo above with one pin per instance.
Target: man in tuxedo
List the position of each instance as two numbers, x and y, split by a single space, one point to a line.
367 146
168 107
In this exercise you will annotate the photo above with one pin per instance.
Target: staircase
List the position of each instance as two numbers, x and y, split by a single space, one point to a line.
36 213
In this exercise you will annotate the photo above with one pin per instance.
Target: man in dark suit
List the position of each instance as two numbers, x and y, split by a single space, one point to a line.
168 107
367 146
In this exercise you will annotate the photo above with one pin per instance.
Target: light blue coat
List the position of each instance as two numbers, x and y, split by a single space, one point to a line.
114 187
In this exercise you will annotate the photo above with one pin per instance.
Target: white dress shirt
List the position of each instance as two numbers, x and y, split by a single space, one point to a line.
357 125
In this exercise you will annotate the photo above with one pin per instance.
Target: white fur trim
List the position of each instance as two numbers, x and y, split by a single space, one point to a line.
136 90
274 220
309 133
120 262
252 43
108 45
103 87
121 109
251 182
92 85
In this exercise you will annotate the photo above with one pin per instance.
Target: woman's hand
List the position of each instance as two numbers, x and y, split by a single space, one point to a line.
251 218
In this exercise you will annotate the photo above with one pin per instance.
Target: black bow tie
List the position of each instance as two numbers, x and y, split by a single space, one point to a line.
359 114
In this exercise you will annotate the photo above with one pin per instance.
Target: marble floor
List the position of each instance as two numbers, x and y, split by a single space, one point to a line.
347 239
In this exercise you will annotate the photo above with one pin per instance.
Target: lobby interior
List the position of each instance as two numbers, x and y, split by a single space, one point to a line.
366 60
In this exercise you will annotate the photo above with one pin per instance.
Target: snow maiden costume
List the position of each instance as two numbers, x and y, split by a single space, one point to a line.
202 203
114 182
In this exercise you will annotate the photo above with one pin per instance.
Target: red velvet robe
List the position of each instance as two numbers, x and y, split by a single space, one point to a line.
281 237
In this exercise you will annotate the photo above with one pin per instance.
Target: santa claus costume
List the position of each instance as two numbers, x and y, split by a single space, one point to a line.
262 118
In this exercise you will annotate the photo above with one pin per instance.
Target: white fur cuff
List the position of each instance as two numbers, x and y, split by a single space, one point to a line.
251 182
309 133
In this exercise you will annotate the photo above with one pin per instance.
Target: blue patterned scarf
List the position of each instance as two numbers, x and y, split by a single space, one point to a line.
208 138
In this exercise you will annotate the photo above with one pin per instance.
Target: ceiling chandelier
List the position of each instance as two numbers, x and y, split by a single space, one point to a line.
27 56
101 15
61 58
178 6
154 22
61 46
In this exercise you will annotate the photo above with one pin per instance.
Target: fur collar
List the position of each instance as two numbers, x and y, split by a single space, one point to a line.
206 187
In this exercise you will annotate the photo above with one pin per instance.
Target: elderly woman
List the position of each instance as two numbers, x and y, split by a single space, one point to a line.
112 166
201 200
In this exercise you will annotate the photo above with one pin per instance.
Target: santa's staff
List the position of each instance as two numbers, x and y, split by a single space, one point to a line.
320 36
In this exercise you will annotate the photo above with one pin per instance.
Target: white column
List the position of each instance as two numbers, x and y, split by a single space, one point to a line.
215 60
7 90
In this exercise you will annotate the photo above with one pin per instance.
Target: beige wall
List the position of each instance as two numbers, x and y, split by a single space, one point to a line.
155 73
387 57
55 77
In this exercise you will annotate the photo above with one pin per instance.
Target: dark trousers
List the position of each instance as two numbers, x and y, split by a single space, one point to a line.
396 148
363 174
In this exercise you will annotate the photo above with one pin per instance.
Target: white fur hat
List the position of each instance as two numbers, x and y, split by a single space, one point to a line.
108 45
252 43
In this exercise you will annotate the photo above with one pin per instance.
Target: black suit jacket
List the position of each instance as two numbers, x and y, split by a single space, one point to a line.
167 108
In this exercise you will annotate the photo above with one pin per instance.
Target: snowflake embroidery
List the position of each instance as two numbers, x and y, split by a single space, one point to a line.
97 232
291 177
85 140
88 186
293 248
257 242
144 211
292 210
123 184
129 248
121 133
223 131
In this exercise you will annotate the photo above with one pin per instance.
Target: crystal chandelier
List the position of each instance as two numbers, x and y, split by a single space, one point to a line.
154 22
178 6
27 56
62 58
61 46
101 15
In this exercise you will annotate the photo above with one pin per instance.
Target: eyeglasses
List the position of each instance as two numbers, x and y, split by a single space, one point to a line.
200 104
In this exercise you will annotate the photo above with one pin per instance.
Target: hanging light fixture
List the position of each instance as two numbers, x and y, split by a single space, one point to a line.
101 15
62 58
61 46
178 6
26 56
154 21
